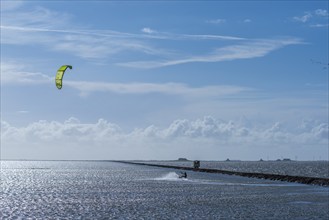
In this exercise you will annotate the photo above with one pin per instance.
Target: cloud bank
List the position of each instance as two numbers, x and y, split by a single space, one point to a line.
180 135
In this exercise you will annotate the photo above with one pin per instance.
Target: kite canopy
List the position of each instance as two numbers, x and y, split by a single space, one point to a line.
60 74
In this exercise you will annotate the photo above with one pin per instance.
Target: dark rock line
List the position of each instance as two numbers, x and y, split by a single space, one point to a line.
287 178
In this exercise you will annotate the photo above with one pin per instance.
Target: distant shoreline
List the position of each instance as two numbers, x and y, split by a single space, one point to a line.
111 160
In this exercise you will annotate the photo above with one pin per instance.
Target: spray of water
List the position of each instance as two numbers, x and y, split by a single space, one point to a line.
169 176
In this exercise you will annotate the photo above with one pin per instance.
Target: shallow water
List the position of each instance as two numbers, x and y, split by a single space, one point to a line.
107 190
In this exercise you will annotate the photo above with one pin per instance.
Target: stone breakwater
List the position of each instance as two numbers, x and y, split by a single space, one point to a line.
287 178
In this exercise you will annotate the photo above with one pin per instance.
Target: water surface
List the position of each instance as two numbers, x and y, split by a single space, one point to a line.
108 190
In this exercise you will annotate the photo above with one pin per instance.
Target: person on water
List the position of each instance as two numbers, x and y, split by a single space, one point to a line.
183 175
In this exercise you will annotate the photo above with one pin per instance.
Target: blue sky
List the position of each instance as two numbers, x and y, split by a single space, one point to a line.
161 80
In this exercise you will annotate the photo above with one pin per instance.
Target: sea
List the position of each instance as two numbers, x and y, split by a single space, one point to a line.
112 190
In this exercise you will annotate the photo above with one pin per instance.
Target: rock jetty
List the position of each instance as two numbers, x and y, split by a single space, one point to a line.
287 178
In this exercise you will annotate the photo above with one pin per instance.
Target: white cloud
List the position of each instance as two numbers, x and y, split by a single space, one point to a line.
247 20
53 31
216 21
94 44
180 134
10 5
148 30
319 25
303 18
321 131
321 12
86 44
161 88
15 73
38 17
204 37
71 130
317 18
247 50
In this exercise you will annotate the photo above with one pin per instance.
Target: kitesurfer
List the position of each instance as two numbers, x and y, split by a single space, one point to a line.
183 175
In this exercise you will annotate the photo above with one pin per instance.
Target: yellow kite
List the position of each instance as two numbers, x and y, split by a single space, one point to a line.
60 74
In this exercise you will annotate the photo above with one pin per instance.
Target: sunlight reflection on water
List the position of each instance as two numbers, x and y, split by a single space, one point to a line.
95 190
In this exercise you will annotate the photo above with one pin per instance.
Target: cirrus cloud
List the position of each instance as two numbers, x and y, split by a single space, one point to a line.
246 50
56 32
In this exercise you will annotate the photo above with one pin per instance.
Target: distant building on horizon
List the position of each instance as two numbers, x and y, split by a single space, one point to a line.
286 159
182 159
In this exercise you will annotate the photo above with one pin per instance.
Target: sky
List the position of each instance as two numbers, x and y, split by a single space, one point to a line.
205 80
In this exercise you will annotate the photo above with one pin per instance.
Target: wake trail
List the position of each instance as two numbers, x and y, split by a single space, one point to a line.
172 176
